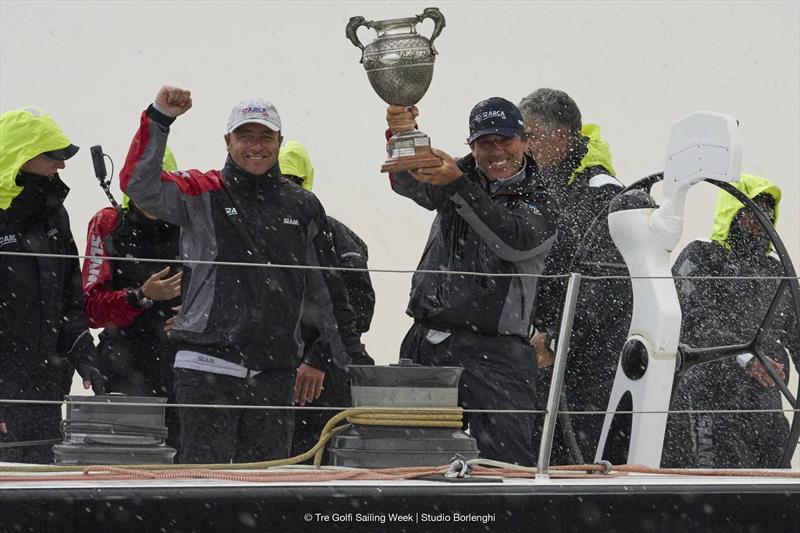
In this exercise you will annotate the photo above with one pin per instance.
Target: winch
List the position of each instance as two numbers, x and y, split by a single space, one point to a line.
113 429
404 385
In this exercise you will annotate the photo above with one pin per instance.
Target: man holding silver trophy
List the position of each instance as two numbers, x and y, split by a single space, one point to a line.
493 230
492 218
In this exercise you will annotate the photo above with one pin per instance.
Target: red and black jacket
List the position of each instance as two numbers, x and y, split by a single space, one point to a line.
248 315
107 284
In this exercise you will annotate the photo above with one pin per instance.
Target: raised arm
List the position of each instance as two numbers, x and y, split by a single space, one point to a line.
167 195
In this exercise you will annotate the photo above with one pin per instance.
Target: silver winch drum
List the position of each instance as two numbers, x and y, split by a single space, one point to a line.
114 429
404 385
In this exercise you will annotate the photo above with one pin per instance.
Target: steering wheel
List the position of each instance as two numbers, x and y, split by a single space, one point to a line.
689 357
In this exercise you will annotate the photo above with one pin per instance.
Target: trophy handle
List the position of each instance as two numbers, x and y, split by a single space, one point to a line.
351 29
436 16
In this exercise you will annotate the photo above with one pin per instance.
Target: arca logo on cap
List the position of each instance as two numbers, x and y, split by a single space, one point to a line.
262 110
496 113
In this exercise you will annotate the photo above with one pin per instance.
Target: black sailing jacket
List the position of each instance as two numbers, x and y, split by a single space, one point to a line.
485 228
43 331
245 314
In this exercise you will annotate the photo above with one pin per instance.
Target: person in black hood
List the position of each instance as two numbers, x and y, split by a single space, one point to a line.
721 312
132 300
492 217
238 332
43 332
576 170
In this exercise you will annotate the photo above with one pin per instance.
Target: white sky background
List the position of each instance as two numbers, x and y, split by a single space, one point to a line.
634 68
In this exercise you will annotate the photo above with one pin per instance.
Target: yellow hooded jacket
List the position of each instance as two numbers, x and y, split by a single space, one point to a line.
728 206
294 161
24 134
598 153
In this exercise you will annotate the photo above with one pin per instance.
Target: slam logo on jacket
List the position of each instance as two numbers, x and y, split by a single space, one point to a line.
8 239
96 261
291 221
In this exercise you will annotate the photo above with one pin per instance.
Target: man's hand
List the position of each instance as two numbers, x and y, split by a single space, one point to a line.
757 371
308 384
401 118
160 287
173 101
92 378
447 172
544 355
170 322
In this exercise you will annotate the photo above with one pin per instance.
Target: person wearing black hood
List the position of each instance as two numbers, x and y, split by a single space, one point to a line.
576 170
720 312
132 300
238 332
43 332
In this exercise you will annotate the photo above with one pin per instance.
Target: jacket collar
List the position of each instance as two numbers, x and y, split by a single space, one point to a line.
40 199
237 179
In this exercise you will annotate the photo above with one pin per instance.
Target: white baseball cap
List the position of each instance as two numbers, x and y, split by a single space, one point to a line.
256 110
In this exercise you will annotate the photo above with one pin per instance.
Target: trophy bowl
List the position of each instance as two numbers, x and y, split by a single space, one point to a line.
399 65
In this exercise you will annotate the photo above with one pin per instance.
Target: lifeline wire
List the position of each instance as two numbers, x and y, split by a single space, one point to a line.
376 270
302 408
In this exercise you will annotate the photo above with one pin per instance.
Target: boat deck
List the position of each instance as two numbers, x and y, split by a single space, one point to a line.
630 502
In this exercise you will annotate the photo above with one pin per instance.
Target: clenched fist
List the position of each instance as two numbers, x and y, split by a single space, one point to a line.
173 101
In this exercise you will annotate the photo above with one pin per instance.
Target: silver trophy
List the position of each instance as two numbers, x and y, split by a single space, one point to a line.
399 65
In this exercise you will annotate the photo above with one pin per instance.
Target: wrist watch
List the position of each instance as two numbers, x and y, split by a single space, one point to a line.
136 298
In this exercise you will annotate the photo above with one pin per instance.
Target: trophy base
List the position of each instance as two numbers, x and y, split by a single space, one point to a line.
409 150
411 163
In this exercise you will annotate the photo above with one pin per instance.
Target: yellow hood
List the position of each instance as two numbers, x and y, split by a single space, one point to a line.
728 206
24 134
598 153
294 161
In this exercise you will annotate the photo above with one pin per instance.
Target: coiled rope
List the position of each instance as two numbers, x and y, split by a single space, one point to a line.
367 416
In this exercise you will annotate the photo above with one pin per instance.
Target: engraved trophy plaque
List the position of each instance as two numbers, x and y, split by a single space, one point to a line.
399 65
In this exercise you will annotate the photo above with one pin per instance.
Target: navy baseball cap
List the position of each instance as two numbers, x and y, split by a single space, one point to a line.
63 154
495 116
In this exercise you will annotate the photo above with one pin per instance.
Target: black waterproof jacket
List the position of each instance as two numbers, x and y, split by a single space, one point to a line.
133 337
43 331
484 227
245 314
351 252
720 312
603 310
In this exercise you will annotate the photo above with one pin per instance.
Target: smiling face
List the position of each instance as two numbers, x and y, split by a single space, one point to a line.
254 147
497 156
